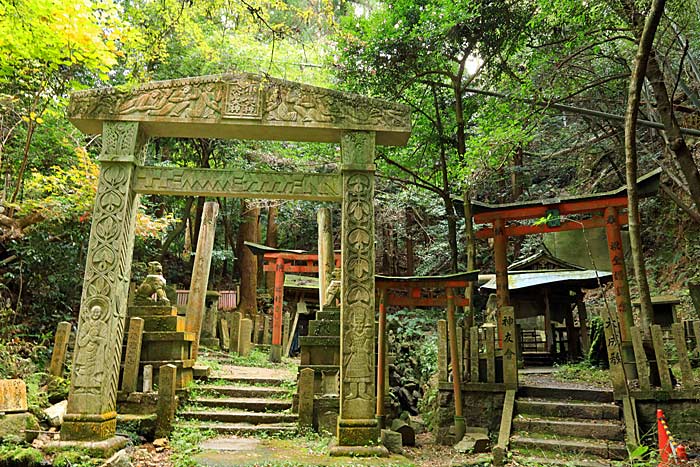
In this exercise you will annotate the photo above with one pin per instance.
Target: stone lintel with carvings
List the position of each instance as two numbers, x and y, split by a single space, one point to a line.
236 183
242 106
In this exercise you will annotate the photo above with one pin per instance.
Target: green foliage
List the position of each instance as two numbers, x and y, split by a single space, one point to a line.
583 372
14 454
75 458
184 442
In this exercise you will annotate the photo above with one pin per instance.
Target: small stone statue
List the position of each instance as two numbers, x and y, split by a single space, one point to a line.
153 284
333 289
491 319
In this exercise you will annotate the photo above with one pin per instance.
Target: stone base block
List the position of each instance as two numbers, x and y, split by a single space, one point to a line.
88 428
103 448
357 451
13 426
275 353
210 342
357 435
201 372
142 311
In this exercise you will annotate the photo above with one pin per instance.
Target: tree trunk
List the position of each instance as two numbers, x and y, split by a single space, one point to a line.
177 231
674 137
271 241
470 241
248 232
636 82
451 232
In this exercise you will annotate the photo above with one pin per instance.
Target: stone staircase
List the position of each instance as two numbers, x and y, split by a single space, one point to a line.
241 406
552 426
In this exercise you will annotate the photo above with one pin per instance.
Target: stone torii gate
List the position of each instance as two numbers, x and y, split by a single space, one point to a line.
243 106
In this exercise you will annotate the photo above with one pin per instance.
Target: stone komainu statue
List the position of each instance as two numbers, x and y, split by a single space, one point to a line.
333 289
152 289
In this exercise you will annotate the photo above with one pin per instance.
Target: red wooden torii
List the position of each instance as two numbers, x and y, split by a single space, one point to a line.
390 293
281 262
599 210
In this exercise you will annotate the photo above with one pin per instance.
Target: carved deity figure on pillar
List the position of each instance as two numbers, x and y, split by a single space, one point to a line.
91 341
357 360
152 289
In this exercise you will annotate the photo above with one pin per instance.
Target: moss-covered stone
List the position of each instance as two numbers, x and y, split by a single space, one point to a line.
13 427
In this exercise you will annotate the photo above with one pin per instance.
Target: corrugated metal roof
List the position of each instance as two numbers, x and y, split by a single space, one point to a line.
522 280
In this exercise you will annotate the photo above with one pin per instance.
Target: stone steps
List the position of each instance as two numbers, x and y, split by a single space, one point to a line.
250 381
551 447
588 429
245 403
565 394
543 461
243 391
238 416
243 429
586 410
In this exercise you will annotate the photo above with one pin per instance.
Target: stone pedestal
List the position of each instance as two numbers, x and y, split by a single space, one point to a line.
165 341
320 349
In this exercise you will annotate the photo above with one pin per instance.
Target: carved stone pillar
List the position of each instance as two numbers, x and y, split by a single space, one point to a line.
91 413
357 425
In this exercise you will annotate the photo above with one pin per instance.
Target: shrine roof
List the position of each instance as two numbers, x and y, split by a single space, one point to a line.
647 185
543 256
586 279
295 281
241 106
460 276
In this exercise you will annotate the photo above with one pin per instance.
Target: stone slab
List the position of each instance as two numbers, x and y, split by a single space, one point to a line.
392 441
168 336
13 426
148 311
230 443
13 396
164 323
104 448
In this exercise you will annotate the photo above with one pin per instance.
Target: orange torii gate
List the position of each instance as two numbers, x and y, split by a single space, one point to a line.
281 262
415 296
599 210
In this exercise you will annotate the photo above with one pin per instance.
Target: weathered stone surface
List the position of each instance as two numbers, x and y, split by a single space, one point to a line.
408 434
118 459
357 426
148 378
235 331
133 355
305 389
13 426
54 414
224 333
200 274
244 343
241 105
103 448
13 395
60 347
267 335
473 443
152 285
167 402
96 361
392 441
155 310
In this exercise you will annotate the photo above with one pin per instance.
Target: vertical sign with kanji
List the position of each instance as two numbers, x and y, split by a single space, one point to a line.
613 342
510 357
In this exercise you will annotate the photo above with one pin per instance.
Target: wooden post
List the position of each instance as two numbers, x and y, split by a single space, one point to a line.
696 331
641 357
583 320
60 348
687 380
455 359
326 255
661 361
489 335
285 332
133 355
548 336
381 358
200 274
166 400
612 338
571 341
460 349
276 348
500 245
510 358
442 351
474 349
245 344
